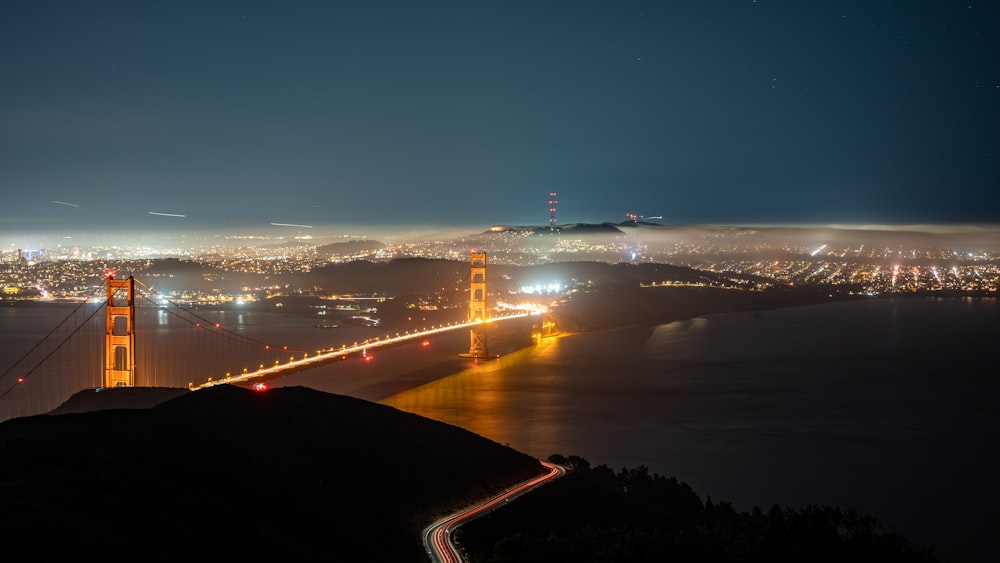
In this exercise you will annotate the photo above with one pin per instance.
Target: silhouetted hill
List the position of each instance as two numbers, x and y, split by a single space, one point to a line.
348 248
401 275
118 398
569 228
630 304
290 474
599 515
427 275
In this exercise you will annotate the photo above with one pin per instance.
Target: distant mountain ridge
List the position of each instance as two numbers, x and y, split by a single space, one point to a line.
350 247
570 228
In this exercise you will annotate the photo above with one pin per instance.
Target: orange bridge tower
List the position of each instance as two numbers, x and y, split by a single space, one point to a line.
119 353
477 306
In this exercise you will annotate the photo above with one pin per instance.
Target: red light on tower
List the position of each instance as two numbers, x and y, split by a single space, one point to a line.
552 210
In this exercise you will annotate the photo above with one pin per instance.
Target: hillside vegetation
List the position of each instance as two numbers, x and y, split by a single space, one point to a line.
595 514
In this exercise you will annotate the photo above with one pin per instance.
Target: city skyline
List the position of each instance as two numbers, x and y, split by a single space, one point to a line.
183 118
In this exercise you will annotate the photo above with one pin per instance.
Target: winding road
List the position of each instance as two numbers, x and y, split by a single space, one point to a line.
437 536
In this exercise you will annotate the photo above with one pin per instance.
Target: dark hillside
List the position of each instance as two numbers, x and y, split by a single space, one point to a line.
599 515
118 398
402 275
225 473
348 248
615 306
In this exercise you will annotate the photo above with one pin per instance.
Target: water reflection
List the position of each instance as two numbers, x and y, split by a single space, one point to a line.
490 398
844 404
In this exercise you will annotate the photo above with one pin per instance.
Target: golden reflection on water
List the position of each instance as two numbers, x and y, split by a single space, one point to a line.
489 398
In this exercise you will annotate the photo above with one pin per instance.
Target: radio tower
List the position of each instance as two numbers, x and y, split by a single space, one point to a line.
552 211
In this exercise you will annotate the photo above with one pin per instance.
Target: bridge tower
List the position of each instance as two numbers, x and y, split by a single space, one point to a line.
477 306
119 353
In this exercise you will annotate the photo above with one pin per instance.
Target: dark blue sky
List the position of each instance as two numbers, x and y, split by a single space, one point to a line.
468 113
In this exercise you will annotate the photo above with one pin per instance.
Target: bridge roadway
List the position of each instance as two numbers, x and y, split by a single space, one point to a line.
322 357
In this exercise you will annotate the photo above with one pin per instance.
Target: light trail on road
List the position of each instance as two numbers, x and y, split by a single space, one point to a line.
437 536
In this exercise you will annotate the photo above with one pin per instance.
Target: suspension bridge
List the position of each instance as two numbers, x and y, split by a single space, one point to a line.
126 334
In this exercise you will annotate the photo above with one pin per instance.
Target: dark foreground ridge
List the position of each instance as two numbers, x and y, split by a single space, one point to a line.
595 514
91 400
289 474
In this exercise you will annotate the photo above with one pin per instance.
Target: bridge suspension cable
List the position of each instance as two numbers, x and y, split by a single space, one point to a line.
224 332
175 346
44 373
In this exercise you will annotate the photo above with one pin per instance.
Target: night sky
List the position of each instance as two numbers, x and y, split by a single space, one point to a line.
243 114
